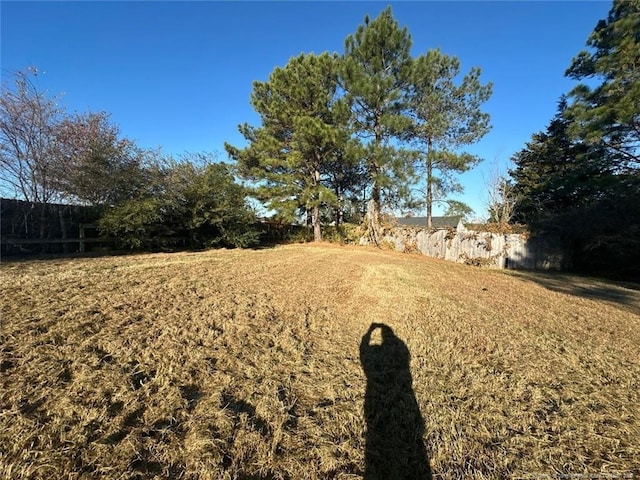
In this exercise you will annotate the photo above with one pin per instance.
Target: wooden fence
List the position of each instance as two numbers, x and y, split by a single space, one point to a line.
20 246
27 227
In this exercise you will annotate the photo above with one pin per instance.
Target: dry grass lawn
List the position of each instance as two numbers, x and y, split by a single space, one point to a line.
233 364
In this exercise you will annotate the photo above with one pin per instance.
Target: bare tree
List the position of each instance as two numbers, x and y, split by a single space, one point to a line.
28 121
500 199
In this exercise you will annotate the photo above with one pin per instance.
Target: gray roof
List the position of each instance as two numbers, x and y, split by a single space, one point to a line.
436 222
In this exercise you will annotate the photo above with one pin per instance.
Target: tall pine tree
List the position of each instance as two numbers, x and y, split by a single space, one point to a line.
302 137
608 116
446 115
375 74
554 173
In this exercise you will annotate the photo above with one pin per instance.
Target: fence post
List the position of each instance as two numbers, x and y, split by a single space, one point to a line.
81 247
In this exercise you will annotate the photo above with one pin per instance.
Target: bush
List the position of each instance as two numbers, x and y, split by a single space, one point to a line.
347 233
134 223
193 205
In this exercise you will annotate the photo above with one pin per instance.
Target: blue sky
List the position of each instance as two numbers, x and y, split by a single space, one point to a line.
179 74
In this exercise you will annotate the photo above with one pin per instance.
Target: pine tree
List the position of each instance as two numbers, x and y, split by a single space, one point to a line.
375 74
445 117
555 173
580 178
302 136
609 114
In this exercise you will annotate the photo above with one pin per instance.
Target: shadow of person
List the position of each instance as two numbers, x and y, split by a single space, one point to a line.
394 447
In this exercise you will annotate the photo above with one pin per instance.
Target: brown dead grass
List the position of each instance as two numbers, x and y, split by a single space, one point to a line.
236 364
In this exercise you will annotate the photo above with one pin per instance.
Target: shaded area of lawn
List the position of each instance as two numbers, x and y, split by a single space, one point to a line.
623 294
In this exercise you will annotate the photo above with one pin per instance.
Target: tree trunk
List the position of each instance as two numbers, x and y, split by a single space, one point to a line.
338 213
317 231
315 213
429 186
373 207
373 222
372 215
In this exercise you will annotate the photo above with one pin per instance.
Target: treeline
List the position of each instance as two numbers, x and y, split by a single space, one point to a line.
341 136
580 178
369 125
49 156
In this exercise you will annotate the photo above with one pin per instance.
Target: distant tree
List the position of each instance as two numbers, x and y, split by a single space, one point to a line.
500 198
302 147
501 201
375 73
446 116
94 164
456 208
573 190
609 115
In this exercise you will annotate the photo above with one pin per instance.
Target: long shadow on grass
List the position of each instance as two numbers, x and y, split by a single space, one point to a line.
625 295
394 446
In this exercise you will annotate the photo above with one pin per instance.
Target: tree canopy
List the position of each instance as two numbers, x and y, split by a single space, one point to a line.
94 164
336 126
28 122
193 199
609 113
375 75
49 155
554 173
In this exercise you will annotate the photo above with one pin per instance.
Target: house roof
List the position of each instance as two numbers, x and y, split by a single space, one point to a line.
436 222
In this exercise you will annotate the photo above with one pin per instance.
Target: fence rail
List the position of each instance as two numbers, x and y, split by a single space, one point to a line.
81 241
55 241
